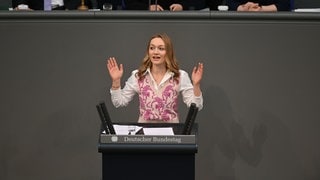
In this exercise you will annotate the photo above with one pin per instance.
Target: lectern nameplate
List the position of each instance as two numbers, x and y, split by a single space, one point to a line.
147 139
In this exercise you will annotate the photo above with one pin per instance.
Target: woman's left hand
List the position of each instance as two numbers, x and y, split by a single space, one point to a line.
197 74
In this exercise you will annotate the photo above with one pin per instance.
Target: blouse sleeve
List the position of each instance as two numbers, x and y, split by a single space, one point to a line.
122 97
186 89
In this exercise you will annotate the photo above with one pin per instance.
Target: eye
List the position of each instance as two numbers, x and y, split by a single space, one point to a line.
162 48
151 48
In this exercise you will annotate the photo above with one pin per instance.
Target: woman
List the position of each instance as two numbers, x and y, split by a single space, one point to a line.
158 81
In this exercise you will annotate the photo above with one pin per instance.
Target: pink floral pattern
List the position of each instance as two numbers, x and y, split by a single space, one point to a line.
158 104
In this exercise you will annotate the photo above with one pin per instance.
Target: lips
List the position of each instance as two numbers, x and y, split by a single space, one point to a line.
156 57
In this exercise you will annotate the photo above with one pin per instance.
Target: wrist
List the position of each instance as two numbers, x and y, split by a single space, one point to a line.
115 87
116 82
196 84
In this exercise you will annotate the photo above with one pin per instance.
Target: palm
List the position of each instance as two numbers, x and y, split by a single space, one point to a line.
197 74
115 70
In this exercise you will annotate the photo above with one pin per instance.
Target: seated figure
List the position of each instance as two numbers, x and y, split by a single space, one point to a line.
55 4
156 5
172 5
259 5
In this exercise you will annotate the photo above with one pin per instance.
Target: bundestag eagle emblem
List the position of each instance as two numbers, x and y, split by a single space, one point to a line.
114 138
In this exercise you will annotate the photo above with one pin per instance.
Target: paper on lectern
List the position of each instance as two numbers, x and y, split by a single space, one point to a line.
125 129
158 131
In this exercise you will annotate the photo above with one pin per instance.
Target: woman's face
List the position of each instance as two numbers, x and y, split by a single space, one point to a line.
157 51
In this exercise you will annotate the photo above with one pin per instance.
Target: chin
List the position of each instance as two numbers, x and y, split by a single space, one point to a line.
156 61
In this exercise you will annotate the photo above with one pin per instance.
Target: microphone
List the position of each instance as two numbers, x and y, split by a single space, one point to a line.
105 118
192 114
102 118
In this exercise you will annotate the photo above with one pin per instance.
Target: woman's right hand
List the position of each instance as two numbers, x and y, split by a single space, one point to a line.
115 70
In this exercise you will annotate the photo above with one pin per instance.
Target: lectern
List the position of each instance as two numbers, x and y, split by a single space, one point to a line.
146 157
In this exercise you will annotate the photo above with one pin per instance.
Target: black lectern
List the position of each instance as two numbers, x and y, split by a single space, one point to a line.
145 157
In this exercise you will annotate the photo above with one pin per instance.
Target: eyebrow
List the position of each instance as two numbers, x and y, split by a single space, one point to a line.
155 45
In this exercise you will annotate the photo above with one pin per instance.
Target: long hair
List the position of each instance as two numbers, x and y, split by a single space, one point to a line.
170 58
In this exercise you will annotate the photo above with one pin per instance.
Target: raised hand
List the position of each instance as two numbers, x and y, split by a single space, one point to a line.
197 74
115 70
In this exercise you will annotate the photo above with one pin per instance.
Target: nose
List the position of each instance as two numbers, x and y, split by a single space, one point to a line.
156 50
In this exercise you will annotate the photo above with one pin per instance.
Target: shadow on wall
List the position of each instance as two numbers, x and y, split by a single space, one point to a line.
225 140
224 145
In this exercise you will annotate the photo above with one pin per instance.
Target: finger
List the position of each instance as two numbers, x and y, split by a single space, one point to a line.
194 69
109 63
113 62
121 67
200 67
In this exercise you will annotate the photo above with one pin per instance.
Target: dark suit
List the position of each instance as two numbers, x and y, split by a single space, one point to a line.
38 4
202 4
144 4
186 4
282 5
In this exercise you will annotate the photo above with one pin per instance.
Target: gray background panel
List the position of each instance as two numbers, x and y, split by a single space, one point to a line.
261 92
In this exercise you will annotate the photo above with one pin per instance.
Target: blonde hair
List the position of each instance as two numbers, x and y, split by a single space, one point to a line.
170 59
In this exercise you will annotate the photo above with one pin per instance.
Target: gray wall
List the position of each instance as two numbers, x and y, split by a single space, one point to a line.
261 90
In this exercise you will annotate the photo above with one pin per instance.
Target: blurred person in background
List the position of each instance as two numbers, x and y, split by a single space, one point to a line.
172 5
259 5
156 5
55 4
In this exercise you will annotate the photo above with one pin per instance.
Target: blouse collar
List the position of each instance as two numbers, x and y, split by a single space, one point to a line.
168 73
167 76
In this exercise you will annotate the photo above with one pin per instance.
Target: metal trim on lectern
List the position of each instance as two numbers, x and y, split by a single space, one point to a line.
147 143
177 143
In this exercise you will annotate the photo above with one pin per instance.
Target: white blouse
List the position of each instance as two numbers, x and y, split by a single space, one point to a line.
121 97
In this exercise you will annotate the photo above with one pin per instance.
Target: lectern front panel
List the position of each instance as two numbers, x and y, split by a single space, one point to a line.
145 157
